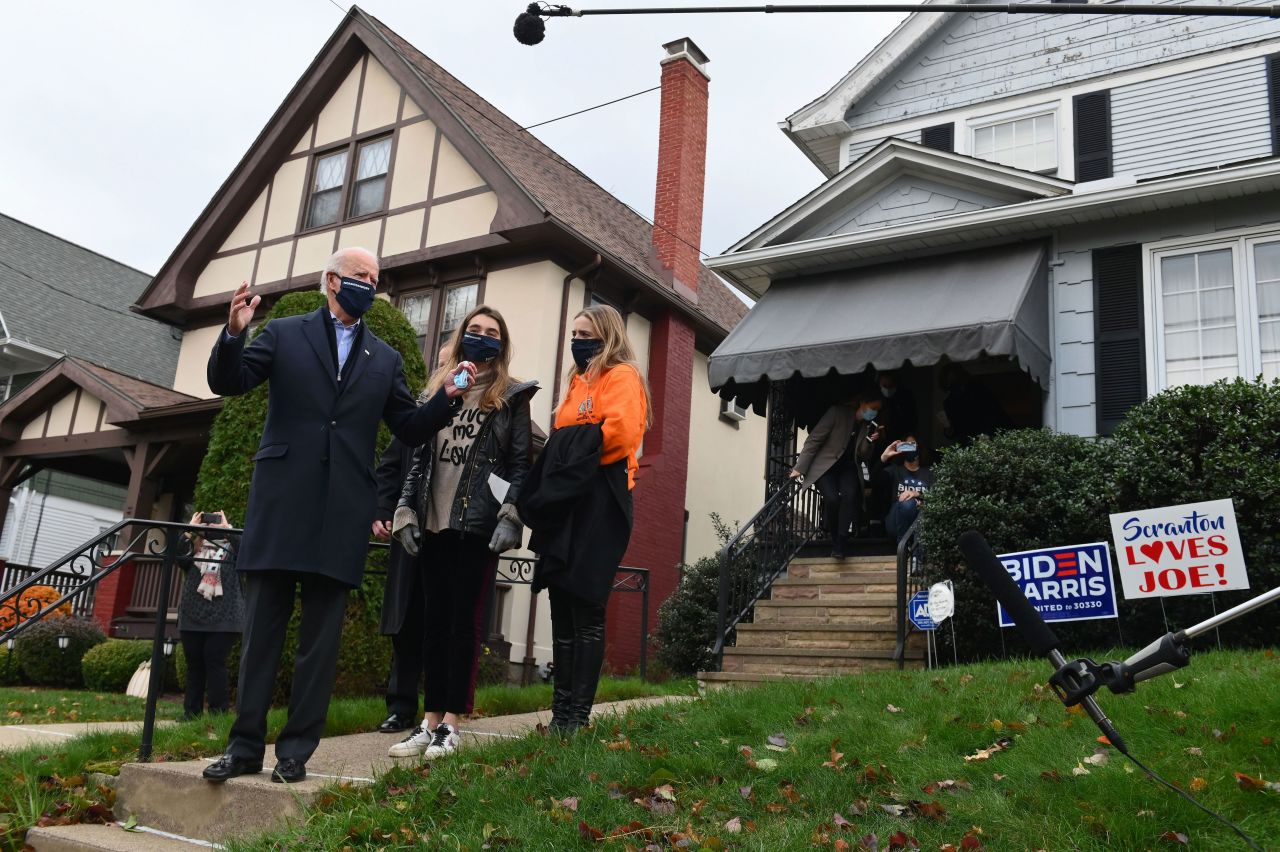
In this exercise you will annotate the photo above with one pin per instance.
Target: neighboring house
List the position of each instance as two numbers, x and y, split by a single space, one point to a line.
1083 209
377 146
59 299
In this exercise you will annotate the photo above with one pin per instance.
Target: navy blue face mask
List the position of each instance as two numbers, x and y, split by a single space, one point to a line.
584 349
480 348
354 296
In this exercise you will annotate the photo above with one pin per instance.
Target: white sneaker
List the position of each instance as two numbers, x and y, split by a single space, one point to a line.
413 745
444 740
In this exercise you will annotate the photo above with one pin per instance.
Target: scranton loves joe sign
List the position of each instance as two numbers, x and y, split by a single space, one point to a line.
1063 583
1179 550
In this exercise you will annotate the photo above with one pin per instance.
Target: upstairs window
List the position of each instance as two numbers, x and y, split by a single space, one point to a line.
1029 142
436 313
353 177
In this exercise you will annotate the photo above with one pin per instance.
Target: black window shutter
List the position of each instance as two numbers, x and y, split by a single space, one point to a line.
1119 335
942 137
1273 91
1093 135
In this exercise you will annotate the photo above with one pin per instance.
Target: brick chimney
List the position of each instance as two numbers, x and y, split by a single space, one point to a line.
682 160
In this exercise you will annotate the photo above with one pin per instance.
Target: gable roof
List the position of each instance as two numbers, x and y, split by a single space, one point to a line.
889 159
62 298
545 181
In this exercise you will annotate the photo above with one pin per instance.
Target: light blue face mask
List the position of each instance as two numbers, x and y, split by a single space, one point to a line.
869 414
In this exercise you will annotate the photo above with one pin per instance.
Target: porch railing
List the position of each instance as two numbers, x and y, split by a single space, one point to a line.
911 579
760 552
16 575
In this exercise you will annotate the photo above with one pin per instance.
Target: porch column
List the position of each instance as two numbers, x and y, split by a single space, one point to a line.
116 589
781 447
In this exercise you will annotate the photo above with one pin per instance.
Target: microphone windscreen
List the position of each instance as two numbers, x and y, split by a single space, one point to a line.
983 560
529 29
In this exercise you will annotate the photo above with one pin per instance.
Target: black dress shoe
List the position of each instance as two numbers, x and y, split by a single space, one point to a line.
289 770
228 766
394 724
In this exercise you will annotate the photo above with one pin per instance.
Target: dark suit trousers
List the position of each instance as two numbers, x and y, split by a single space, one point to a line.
841 490
269 597
407 651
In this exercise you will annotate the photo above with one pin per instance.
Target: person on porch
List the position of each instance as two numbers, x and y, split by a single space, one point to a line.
312 500
907 479
844 441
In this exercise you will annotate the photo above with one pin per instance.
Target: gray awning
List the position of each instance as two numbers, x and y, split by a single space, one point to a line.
991 301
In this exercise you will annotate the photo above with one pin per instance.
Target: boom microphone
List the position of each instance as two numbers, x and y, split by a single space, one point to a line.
980 557
530 28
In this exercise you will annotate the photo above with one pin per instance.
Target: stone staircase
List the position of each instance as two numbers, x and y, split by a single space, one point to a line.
825 618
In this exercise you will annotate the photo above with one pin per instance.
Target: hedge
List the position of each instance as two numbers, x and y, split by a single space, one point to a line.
1027 489
109 666
44 663
223 483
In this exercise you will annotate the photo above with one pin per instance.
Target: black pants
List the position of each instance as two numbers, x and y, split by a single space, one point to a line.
841 490
577 641
459 572
407 653
206 655
269 597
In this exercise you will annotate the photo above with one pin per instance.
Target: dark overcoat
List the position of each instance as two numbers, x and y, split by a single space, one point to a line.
398 594
312 500
580 513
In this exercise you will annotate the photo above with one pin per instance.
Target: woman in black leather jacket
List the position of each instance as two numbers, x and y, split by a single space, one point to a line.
455 518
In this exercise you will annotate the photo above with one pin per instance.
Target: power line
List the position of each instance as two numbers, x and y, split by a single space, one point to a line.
590 108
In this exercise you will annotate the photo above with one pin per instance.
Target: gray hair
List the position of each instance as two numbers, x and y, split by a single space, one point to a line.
337 264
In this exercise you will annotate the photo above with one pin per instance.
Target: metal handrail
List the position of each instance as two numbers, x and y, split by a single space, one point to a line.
772 537
908 583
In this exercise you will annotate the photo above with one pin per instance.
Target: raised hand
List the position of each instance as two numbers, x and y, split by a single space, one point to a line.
242 308
451 389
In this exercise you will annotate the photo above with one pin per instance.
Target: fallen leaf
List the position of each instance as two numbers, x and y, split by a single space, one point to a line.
997 725
734 825
840 822
894 810
1079 770
985 753
1195 750
1177 685
569 804
745 792
870 842
766 764
665 792
1248 782
1197 784
1145 813
901 840
996 776
588 832
623 744
892 709
1098 758
1174 837
1051 775
778 741
859 807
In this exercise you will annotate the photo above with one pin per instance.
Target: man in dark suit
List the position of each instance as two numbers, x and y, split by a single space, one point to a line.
312 500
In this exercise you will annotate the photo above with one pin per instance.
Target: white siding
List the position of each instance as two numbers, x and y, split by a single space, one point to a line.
855 150
1190 121
41 528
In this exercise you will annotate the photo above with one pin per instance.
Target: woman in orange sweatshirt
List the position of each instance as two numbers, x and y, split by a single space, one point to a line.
605 387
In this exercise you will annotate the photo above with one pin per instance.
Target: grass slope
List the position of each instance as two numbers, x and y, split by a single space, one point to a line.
874 755
27 705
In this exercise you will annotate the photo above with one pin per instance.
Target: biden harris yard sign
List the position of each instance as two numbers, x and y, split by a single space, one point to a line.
1179 550
1063 583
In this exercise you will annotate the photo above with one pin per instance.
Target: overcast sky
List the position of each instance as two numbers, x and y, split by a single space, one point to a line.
123 118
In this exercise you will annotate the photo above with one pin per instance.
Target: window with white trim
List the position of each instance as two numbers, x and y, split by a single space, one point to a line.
1027 142
1216 308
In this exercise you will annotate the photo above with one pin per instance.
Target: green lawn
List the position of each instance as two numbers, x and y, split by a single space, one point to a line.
28 705
882 754
52 782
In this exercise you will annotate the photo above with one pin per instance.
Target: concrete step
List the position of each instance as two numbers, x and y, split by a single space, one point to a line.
884 563
817 588
108 838
822 611
708 681
873 636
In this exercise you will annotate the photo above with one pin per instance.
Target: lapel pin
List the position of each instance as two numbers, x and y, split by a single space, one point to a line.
366 351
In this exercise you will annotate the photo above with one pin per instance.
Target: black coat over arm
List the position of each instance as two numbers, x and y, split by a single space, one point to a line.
313 500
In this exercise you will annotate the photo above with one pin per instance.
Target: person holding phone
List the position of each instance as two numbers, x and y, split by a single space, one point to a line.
210 613
841 443
456 514
908 479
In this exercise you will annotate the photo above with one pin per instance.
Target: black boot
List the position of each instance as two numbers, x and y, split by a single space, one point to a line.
588 656
561 682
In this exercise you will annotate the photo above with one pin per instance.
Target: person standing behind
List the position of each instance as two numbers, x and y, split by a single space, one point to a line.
404 596
312 499
210 615
908 480
842 441
455 517
606 408
898 407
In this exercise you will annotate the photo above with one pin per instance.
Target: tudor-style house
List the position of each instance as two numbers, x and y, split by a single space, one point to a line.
378 146
1084 210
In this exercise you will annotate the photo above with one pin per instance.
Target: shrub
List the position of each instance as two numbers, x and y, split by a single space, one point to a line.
1022 489
365 655
10 666
43 663
687 620
109 666
493 667
33 601
1195 443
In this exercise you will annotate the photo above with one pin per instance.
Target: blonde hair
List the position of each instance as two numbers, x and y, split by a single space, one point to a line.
615 350
500 367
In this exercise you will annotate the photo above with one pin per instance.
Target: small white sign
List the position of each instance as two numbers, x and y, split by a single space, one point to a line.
1179 550
942 601
499 487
